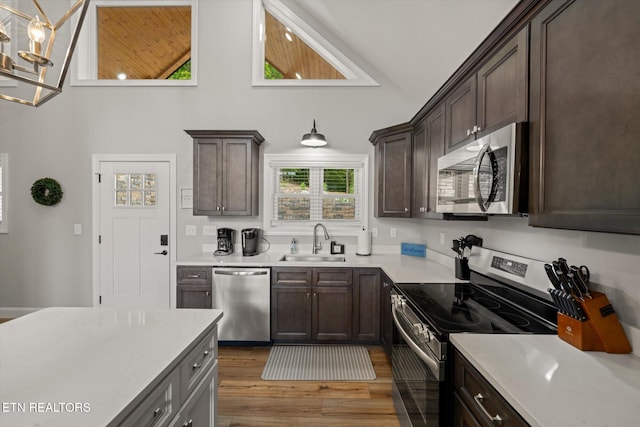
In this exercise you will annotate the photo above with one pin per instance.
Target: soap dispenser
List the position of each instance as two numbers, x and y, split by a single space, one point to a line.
294 246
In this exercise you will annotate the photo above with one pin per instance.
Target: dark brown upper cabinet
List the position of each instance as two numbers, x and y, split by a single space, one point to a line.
226 172
585 116
428 145
492 97
393 158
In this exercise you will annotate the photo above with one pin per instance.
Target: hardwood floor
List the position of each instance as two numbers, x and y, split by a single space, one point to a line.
246 400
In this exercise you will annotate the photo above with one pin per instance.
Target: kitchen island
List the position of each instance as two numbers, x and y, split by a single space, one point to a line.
101 366
552 384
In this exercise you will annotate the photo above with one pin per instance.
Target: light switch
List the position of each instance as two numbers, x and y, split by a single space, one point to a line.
393 232
374 232
77 229
190 230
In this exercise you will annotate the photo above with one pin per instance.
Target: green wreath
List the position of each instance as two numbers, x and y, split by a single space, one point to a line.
46 191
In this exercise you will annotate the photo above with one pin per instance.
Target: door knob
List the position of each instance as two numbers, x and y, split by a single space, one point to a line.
161 253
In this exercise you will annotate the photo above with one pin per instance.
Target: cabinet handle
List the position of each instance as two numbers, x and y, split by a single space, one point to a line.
308 295
207 293
156 415
406 209
188 423
494 420
468 132
217 208
193 276
223 208
199 365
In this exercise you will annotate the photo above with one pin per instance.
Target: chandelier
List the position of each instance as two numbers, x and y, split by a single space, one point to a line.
37 40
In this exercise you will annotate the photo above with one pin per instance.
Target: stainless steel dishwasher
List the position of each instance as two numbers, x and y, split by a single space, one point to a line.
244 295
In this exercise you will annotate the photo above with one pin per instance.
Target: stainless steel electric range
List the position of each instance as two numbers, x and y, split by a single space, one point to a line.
506 294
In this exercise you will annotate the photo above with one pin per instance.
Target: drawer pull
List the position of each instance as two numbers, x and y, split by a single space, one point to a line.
495 420
199 365
193 276
156 416
188 423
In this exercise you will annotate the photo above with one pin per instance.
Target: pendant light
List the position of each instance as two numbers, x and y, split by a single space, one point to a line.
313 138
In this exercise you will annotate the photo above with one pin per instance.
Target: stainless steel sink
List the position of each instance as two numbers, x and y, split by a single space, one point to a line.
313 258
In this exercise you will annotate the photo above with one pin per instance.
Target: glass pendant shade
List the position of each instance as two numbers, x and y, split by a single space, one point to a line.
37 40
313 138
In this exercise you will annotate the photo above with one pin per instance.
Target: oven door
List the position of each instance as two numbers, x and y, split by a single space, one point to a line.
418 377
478 177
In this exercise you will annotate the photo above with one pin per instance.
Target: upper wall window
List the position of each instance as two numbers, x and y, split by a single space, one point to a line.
289 52
4 175
137 42
304 191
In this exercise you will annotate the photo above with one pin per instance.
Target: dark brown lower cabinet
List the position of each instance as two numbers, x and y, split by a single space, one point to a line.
366 304
325 304
193 287
386 316
476 402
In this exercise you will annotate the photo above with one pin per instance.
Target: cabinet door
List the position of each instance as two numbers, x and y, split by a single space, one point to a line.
462 416
394 176
332 313
237 177
420 170
435 141
291 313
207 175
193 296
460 114
366 304
386 316
584 116
503 85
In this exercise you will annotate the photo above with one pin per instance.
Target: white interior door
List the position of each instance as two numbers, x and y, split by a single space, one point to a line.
134 218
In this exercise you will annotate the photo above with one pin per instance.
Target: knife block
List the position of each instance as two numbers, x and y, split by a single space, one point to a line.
600 332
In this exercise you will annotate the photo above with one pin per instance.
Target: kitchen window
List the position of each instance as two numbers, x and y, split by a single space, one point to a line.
4 174
301 192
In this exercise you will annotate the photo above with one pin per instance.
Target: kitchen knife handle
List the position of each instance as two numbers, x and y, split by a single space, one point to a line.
571 278
577 278
552 276
563 265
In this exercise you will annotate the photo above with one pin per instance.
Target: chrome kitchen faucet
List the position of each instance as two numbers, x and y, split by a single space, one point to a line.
316 244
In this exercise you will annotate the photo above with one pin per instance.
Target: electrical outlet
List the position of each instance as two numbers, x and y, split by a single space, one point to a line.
393 232
374 232
77 229
442 238
208 230
190 230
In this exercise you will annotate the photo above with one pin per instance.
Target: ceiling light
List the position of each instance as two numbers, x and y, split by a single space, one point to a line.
122 76
313 138
51 40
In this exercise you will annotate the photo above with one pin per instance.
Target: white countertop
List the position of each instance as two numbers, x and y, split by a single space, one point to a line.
399 268
553 384
97 359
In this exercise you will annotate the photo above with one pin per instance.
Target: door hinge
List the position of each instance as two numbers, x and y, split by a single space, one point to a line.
99 177
100 300
99 239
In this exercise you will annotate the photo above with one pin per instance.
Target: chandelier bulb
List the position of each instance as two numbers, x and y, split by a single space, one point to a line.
35 30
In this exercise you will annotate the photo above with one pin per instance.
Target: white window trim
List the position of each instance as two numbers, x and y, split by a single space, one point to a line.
325 161
85 58
355 76
4 164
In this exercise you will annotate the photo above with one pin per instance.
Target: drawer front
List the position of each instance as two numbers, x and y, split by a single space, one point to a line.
194 275
332 276
287 276
481 398
195 364
159 407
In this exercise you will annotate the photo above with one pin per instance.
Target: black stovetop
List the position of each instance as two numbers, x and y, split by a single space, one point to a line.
488 307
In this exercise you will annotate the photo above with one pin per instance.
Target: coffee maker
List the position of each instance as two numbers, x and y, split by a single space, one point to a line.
225 241
250 241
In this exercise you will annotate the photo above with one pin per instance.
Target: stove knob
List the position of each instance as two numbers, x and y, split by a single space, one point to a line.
426 334
418 328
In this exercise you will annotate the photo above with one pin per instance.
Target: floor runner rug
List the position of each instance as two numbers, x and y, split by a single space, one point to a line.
318 363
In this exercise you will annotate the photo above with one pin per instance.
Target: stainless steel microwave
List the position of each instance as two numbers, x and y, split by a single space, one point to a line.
486 176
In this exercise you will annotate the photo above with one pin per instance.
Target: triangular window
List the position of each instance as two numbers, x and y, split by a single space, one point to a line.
287 51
